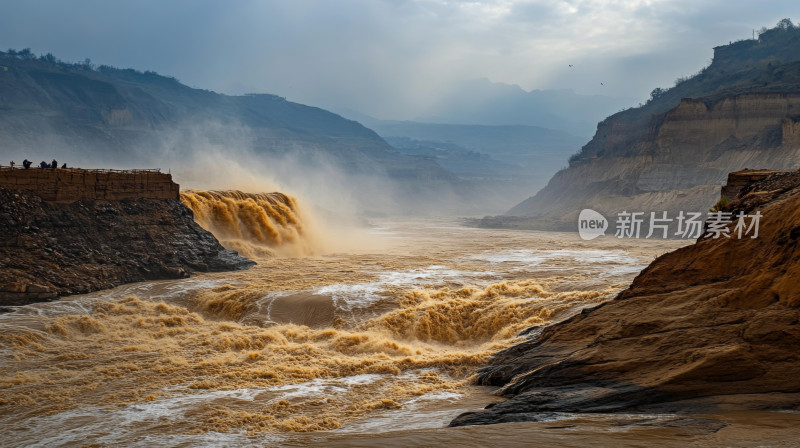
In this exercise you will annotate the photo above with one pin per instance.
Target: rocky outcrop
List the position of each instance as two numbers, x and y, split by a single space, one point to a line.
711 326
53 249
739 180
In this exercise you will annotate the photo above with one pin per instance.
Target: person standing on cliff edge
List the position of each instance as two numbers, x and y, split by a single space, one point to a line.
26 163
12 164
53 164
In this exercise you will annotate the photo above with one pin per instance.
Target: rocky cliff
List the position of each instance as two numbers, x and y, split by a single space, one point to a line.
712 326
678 163
53 249
745 179
673 153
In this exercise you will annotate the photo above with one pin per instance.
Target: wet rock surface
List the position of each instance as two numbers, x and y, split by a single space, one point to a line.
711 326
49 250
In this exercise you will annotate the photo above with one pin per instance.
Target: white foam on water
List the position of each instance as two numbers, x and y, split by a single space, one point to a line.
535 257
326 386
120 425
350 296
626 269
180 288
361 295
436 396
311 388
84 304
412 415
210 439
414 277
360 379
47 309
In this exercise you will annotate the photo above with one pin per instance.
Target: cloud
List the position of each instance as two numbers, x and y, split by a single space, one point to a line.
392 58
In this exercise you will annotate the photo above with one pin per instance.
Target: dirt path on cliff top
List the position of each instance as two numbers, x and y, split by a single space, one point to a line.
353 344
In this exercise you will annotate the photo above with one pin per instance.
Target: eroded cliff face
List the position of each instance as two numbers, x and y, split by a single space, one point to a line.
711 326
53 249
676 161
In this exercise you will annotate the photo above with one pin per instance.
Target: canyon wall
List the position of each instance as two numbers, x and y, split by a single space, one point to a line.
671 162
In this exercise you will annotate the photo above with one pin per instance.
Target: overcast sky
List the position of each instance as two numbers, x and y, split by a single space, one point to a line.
392 58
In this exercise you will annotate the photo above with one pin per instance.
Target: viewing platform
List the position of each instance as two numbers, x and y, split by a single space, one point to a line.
74 184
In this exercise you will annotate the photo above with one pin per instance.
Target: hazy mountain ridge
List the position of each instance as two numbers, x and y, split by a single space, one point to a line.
483 102
105 116
513 159
118 99
455 158
675 151
515 144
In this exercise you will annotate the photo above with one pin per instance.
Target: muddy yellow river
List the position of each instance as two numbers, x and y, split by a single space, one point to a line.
373 342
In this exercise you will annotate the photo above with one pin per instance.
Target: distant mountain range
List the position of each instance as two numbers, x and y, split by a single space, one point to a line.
513 158
506 144
499 135
480 101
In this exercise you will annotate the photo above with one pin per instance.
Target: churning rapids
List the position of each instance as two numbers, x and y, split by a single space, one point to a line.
298 350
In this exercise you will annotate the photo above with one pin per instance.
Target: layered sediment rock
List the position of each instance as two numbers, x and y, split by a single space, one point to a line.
673 162
739 180
714 325
72 184
53 249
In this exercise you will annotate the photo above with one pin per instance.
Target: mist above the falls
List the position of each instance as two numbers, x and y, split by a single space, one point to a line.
212 155
328 202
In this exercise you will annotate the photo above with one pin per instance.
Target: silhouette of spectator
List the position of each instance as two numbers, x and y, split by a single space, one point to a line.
54 164
64 166
44 165
26 163
12 164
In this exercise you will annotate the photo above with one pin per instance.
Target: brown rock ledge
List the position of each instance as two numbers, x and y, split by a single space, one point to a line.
712 326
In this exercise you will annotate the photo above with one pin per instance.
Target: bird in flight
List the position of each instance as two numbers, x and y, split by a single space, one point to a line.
602 84
570 65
